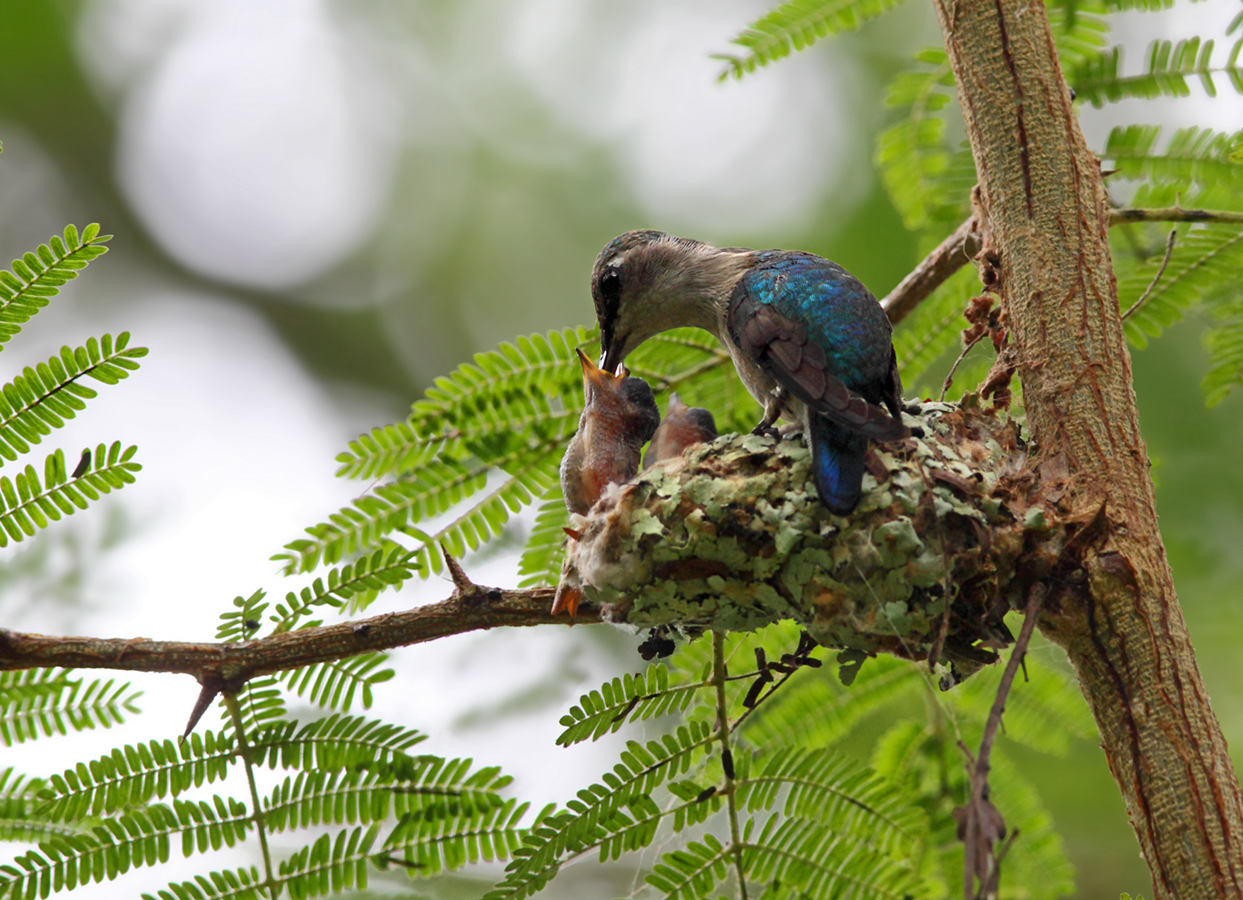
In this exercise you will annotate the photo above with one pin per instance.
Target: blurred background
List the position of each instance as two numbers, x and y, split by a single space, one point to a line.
321 206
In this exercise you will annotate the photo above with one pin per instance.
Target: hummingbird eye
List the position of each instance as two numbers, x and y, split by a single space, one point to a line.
610 285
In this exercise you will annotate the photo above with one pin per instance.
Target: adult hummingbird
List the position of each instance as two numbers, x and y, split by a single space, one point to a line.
681 427
807 338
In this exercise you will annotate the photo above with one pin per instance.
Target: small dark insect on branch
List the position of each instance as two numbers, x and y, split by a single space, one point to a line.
788 665
1169 251
84 464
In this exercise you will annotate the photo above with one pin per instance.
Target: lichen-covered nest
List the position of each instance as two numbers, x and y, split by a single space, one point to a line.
732 536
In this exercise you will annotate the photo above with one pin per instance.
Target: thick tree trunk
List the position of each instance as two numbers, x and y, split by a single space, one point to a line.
1044 216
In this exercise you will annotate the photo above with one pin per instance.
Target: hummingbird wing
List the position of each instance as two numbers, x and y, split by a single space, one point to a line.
821 335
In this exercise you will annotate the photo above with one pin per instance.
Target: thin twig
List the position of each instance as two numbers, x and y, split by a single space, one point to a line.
243 749
1173 214
1169 251
727 759
979 810
953 253
949 379
950 256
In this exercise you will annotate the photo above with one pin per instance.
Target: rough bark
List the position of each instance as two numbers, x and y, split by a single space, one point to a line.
1043 213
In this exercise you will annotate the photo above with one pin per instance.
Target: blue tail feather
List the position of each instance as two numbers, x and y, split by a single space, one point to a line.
837 464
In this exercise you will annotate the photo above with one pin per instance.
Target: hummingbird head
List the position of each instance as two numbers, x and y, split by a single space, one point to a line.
646 282
622 408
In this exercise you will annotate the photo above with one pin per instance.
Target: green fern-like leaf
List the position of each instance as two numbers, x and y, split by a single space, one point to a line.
328 866
335 684
142 837
331 744
134 775
262 702
1205 258
1196 160
28 504
913 154
528 464
1097 79
822 787
926 765
1224 343
351 587
245 619
816 710
615 816
39 275
429 845
427 786
1079 29
692 872
631 698
47 702
933 328
22 814
235 884
796 25
541 558
818 863
1043 712
503 390
44 397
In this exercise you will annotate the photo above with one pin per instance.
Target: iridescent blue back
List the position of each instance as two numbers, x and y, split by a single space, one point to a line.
837 311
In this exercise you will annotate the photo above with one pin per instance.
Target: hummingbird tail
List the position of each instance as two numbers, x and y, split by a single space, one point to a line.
837 464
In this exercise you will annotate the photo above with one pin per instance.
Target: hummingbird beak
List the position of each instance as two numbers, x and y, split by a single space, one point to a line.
593 376
613 354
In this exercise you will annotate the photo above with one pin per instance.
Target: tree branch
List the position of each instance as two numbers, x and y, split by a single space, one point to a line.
1043 205
1173 214
960 247
951 255
227 666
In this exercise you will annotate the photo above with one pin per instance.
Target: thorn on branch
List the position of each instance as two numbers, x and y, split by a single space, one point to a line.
212 686
461 584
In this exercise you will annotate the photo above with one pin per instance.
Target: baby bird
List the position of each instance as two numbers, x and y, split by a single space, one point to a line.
682 426
619 417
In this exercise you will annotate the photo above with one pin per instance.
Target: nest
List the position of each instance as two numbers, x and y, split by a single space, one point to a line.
731 537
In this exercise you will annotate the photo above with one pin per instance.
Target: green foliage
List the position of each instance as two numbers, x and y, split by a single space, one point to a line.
1097 79
631 698
923 174
27 504
1196 168
44 397
1225 348
46 702
616 815
935 327
333 685
541 557
349 588
796 25
39 275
